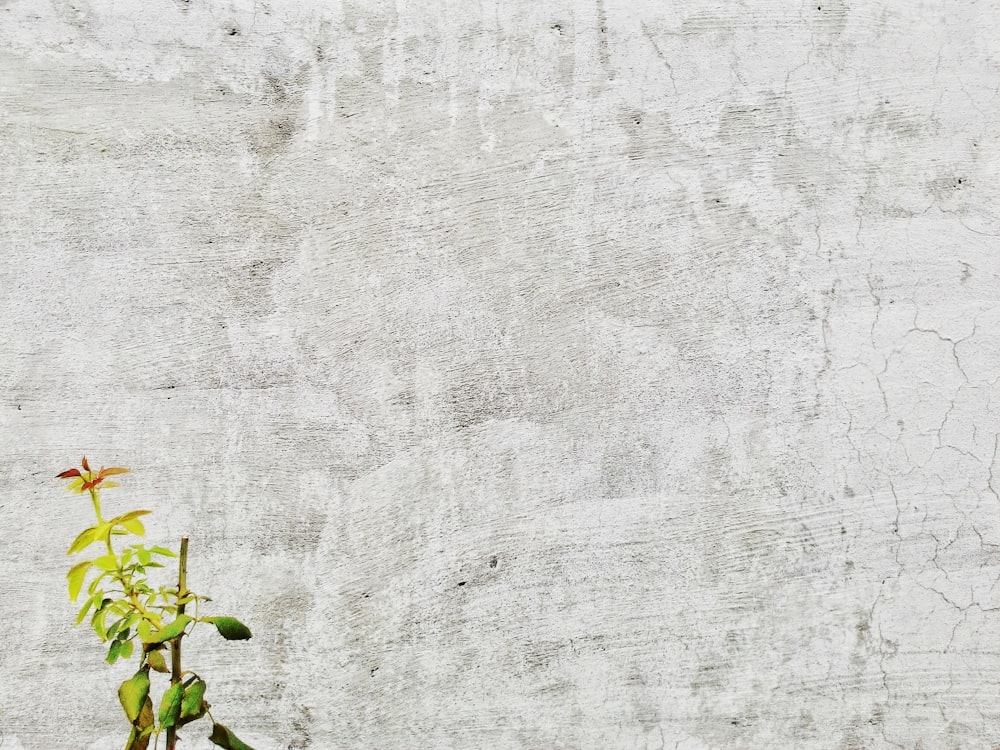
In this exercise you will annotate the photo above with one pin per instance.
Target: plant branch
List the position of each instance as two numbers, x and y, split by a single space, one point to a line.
175 644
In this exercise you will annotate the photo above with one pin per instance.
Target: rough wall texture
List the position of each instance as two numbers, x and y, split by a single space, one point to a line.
567 374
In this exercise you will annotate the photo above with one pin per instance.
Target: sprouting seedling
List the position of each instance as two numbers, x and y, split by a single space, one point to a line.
127 612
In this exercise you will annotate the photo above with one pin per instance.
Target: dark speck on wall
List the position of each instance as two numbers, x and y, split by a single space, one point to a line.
461 583
493 560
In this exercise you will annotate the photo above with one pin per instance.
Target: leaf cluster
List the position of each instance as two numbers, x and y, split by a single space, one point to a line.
132 614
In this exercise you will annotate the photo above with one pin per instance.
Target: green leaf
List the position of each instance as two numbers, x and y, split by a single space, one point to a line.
75 578
156 661
133 693
85 539
171 631
230 628
223 737
143 554
107 562
163 551
126 649
145 631
113 628
170 706
113 652
192 704
120 628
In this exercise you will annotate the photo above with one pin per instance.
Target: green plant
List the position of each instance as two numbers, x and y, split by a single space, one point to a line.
131 614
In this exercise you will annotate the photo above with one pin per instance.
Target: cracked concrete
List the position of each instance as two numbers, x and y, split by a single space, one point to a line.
578 374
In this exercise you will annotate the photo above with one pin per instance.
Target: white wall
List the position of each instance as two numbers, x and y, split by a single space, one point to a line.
669 328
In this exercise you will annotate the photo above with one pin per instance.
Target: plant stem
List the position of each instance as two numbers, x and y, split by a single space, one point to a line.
175 644
96 500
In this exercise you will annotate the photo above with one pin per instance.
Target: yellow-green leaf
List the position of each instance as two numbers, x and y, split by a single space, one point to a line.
103 532
133 693
75 578
94 584
139 737
97 621
85 539
224 737
107 562
135 526
170 706
230 628
145 631
87 605
156 661
170 631
129 516
137 740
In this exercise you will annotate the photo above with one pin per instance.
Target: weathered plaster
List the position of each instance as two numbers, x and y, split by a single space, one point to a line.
578 374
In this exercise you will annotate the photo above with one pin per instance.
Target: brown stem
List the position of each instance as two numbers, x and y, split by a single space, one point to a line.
175 644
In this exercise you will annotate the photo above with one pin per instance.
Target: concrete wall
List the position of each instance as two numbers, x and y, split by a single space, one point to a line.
567 374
